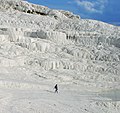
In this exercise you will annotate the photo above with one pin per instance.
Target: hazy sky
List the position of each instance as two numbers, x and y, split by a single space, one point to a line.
103 10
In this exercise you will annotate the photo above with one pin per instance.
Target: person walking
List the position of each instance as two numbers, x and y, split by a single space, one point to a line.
56 88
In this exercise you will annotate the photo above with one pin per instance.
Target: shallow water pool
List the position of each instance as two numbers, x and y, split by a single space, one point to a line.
114 95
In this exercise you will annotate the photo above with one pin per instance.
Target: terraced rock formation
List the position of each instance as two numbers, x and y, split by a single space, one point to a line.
47 40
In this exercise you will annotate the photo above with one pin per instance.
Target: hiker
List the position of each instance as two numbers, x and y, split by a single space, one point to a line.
56 88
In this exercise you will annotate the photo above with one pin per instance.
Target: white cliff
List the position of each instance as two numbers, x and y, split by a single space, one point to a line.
39 45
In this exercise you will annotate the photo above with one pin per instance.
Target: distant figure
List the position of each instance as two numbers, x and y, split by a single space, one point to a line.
56 88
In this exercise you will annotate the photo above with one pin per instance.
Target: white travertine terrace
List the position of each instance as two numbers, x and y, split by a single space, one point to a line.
56 45
72 44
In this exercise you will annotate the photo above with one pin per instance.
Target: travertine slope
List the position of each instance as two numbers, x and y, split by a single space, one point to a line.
40 47
58 44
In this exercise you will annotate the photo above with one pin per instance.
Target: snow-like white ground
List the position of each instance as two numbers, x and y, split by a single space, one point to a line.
40 47
46 101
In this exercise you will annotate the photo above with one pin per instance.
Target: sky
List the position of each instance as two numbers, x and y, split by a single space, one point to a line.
102 10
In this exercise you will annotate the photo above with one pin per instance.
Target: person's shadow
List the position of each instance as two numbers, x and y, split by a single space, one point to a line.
50 91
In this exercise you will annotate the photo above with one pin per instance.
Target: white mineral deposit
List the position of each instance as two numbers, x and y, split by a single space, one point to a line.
40 47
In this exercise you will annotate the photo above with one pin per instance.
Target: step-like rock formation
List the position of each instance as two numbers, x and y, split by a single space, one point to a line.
36 37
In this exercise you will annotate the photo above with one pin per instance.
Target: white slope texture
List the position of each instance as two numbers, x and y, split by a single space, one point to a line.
40 47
